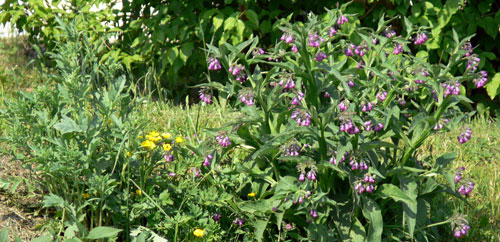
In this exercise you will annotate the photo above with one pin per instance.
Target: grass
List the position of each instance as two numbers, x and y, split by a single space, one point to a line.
481 158
16 72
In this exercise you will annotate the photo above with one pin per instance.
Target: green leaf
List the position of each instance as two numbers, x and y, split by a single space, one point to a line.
45 238
4 234
393 192
217 21
372 212
489 25
103 232
229 23
409 187
67 125
172 54
358 232
443 161
493 85
252 16
260 227
286 185
265 27
53 200
186 51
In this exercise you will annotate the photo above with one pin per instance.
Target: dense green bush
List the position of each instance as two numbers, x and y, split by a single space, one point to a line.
165 40
348 108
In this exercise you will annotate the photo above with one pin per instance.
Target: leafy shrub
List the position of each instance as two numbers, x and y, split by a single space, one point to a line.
165 40
333 119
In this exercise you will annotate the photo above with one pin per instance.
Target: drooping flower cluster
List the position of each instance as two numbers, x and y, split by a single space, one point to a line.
195 171
361 49
208 159
315 40
464 136
216 217
465 185
302 117
381 96
332 31
420 39
389 32
365 185
258 51
246 96
291 148
205 95
238 71
451 88
481 81
467 47
398 48
369 126
320 56
355 165
333 159
287 82
239 221
461 231
214 64
308 170
367 107
459 225
459 174
441 123
472 62
223 140
349 50
287 38
342 20
298 97
343 105
349 127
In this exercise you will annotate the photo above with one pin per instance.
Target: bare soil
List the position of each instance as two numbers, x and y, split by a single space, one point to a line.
18 209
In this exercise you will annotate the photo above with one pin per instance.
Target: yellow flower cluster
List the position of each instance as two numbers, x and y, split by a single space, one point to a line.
148 144
252 194
153 138
199 232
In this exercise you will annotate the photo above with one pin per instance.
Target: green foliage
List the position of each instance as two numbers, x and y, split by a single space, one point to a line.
166 40
307 115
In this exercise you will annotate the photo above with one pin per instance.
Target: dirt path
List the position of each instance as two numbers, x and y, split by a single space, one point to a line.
17 209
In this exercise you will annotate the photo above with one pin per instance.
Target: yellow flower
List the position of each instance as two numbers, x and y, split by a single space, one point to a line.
140 137
167 147
165 135
85 195
138 192
154 133
199 232
148 144
252 194
153 136
179 139
128 154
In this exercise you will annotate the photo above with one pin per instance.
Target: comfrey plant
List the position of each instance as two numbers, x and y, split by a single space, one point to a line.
366 105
